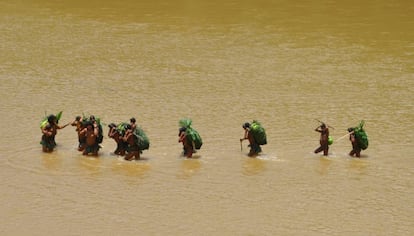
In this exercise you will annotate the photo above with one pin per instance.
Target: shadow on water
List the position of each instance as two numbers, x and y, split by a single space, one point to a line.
51 161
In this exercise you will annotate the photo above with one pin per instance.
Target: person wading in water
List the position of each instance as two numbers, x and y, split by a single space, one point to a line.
323 129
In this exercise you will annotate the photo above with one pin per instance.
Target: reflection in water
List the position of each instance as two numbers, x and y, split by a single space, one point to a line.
189 167
253 166
358 165
131 169
324 164
91 164
220 62
51 161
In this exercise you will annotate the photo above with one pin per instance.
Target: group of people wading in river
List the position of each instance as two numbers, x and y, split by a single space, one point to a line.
131 139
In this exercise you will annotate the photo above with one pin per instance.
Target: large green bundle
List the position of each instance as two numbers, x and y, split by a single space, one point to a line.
121 127
258 132
44 121
361 136
141 139
192 135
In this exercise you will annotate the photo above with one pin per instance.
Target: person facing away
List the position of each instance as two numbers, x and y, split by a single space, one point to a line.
323 129
254 146
356 149
121 145
91 133
49 132
188 148
131 139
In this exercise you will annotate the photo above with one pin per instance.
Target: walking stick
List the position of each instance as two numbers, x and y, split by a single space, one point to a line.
324 123
344 136
241 145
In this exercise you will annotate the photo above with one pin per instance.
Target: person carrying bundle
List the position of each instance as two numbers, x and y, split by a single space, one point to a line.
49 127
132 142
91 132
115 134
189 137
136 140
256 135
358 138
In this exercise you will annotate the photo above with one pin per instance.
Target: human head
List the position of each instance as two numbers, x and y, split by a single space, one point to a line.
78 118
111 125
88 125
246 125
128 126
323 126
92 118
51 119
132 120
350 130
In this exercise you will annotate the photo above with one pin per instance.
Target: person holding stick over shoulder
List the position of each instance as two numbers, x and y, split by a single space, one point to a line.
324 130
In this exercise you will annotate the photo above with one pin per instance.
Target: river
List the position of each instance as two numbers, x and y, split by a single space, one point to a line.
220 63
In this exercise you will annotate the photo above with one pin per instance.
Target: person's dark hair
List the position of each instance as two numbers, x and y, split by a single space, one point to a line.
86 123
350 130
132 120
128 126
180 130
246 125
112 125
323 125
78 118
92 118
51 119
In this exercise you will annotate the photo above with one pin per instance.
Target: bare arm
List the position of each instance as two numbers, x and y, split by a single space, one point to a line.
126 136
95 130
246 134
181 137
61 127
46 132
83 131
111 132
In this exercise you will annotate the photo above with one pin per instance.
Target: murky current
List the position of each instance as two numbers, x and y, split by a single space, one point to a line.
220 63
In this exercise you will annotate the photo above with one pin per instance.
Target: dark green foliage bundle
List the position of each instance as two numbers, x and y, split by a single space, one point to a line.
192 135
258 132
361 136
121 128
141 139
44 121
